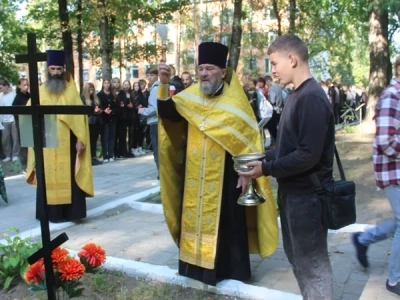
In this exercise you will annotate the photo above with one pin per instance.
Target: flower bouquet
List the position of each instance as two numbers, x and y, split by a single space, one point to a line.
68 270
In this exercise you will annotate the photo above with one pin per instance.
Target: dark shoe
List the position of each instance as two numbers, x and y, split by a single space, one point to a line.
95 162
361 250
394 289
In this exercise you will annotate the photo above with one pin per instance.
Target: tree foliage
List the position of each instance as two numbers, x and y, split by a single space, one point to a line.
12 40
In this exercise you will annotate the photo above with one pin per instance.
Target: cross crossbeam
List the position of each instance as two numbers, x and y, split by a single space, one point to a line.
37 112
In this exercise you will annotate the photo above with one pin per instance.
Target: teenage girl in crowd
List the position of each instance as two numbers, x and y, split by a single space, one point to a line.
90 98
137 134
125 107
108 102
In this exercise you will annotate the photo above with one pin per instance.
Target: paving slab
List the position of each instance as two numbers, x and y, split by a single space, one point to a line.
112 181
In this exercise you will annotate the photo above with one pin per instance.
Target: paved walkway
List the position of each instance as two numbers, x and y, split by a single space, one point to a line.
135 236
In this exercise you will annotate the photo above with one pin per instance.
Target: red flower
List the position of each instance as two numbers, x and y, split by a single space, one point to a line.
71 269
58 255
35 272
94 254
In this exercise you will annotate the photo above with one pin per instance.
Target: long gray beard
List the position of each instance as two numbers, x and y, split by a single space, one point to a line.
56 84
208 90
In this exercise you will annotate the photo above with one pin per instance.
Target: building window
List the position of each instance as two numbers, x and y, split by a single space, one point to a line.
115 72
267 65
133 72
99 73
85 75
253 64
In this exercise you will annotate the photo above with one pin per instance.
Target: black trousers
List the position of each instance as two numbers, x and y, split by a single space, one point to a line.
95 130
272 125
136 135
120 138
108 140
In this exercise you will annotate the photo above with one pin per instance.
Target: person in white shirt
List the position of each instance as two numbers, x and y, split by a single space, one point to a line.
10 132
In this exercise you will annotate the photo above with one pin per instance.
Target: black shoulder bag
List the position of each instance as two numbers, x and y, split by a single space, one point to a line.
337 197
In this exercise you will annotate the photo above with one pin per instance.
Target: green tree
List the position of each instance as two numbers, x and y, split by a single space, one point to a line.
117 16
383 17
12 39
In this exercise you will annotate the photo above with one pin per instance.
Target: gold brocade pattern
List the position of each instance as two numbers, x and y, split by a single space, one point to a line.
57 160
199 235
230 127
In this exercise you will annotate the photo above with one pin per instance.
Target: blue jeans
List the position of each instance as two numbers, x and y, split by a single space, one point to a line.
387 229
154 141
305 244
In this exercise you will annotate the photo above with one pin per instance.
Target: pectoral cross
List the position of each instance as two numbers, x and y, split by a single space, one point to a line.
203 125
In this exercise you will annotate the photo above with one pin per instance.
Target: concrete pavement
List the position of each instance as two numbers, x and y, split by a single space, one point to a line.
137 241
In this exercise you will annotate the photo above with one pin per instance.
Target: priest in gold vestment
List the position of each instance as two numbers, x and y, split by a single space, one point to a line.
67 168
201 128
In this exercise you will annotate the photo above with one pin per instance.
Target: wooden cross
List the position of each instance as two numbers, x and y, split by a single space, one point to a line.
37 112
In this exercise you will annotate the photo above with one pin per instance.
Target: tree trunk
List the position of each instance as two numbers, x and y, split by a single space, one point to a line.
234 50
380 66
292 16
79 41
105 49
278 16
66 35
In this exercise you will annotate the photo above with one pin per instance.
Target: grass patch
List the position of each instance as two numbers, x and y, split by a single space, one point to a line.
106 285
153 198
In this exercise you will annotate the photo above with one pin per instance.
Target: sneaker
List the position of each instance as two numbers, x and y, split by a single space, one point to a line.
15 158
394 289
141 151
105 160
111 159
136 152
6 159
133 151
361 250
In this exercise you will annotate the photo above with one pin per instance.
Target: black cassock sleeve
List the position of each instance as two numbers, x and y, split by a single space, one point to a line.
167 110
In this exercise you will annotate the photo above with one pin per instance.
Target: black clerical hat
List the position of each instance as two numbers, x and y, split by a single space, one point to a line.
56 57
213 53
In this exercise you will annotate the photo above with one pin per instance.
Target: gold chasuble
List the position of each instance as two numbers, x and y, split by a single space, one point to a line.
192 171
57 160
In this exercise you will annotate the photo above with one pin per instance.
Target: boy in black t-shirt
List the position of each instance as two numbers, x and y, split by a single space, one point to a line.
305 144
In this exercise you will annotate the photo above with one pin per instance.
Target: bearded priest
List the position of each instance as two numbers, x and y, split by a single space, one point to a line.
201 128
67 168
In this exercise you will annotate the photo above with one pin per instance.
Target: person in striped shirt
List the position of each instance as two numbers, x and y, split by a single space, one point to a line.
386 159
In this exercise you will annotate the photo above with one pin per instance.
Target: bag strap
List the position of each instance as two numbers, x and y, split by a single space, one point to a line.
315 180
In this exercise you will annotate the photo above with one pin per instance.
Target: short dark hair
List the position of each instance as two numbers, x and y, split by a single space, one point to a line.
268 78
152 71
4 83
261 79
289 43
186 73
